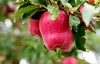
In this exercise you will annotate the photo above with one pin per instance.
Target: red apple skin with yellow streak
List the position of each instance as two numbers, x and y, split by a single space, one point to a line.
33 27
69 60
56 33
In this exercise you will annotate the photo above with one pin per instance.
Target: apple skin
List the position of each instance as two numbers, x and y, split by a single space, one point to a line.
9 9
69 60
33 27
90 1
56 33
81 9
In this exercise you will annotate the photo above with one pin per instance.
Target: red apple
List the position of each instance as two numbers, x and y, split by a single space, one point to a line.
90 1
56 33
81 9
9 9
34 27
69 60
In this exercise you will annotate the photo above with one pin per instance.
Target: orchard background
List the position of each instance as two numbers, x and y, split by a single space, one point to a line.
25 34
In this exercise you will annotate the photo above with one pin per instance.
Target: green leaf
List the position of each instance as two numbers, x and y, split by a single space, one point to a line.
54 1
24 10
65 3
2 17
24 4
74 21
72 2
29 14
35 2
78 37
87 13
18 3
38 2
73 52
77 1
4 1
53 11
